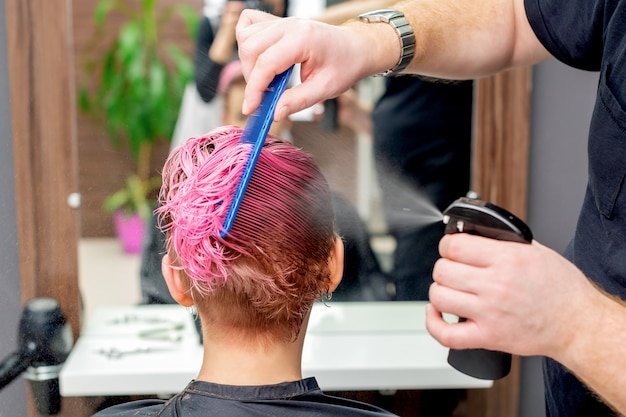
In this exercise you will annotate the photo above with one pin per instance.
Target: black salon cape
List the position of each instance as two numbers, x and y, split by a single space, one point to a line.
289 399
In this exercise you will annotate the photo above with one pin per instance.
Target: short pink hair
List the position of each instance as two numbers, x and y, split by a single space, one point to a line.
273 264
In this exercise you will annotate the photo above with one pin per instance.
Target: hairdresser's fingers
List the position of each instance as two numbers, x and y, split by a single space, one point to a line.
256 33
250 23
270 46
306 95
493 272
514 301
459 276
463 247
476 250
453 301
483 326
453 335
332 59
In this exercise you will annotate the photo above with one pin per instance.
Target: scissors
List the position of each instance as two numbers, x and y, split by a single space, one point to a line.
116 353
172 333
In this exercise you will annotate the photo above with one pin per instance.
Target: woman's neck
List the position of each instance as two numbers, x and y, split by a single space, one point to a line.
229 361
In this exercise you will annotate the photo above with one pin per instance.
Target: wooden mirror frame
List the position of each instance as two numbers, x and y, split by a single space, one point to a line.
39 38
500 155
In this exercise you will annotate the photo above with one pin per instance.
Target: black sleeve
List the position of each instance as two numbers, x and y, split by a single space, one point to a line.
206 71
572 30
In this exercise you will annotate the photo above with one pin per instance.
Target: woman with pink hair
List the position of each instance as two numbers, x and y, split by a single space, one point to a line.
254 288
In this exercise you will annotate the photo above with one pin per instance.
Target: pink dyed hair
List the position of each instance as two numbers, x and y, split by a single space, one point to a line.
274 262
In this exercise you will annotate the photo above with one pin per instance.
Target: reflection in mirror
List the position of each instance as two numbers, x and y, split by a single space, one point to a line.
124 129
395 152
422 133
400 157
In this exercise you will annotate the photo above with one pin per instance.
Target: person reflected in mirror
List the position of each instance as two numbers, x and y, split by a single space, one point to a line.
254 288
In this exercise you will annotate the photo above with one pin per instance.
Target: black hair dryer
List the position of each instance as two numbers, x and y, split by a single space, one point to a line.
477 217
45 341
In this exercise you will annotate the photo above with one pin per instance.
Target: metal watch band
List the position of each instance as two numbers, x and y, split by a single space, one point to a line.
405 33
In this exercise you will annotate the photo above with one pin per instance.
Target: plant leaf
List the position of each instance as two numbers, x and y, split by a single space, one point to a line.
138 83
102 10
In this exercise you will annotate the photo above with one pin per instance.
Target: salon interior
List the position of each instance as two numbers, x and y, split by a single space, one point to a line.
60 245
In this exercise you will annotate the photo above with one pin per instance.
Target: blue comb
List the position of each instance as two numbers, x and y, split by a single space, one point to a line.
254 133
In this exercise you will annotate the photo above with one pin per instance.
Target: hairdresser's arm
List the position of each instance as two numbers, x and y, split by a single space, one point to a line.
455 39
529 300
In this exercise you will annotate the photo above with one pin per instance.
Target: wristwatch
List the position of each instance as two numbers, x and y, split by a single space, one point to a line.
405 33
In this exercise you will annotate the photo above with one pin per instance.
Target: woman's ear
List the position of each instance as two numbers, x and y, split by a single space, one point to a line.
176 281
335 264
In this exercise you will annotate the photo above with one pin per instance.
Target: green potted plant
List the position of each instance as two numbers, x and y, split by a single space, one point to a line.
135 91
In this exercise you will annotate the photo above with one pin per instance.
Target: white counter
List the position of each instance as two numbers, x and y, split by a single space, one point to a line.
349 346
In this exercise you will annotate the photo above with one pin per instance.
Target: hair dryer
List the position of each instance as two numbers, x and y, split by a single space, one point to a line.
45 341
477 217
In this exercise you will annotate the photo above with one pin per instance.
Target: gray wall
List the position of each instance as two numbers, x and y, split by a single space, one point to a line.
12 397
562 103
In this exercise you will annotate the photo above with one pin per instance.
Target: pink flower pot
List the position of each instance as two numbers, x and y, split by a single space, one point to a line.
130 230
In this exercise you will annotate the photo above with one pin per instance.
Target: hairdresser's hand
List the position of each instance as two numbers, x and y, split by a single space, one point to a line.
332 58
517 298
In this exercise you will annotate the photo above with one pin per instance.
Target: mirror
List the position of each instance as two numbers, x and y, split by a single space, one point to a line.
423 127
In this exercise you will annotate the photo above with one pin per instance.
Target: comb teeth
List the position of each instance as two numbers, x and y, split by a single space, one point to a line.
254 133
